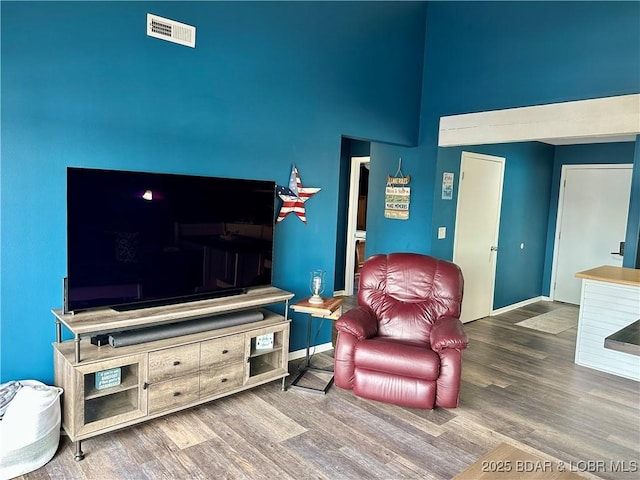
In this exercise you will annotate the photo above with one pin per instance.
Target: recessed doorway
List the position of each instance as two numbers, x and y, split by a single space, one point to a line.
357 221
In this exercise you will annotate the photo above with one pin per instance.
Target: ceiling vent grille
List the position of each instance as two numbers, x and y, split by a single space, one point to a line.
171 30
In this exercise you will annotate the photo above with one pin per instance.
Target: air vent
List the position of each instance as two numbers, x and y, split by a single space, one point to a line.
171 30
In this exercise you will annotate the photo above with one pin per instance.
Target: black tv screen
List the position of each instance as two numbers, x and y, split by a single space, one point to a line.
137 239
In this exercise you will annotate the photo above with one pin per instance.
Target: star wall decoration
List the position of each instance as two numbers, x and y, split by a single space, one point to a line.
294 196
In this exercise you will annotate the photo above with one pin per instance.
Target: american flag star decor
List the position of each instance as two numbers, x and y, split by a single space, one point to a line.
294 196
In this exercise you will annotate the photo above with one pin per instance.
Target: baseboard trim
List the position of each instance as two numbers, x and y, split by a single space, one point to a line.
314 349
523 303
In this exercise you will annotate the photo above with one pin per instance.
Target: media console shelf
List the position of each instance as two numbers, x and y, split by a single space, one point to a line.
108 388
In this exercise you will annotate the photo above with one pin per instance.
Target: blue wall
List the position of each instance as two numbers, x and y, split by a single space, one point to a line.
391 235
268 85
523 216
497 55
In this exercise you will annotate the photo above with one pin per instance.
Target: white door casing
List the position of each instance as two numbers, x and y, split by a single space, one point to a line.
593 207
475 244
352 233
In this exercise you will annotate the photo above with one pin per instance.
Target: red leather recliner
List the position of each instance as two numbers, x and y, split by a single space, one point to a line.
403 343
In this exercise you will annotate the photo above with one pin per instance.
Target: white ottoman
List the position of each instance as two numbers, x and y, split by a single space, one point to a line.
29 429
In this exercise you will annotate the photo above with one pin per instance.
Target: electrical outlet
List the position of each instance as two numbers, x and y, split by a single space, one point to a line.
442 232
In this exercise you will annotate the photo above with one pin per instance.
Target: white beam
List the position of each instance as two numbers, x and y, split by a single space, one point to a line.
599 117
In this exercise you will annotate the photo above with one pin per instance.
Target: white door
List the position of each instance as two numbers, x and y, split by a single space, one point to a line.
592 221
353 234
476 236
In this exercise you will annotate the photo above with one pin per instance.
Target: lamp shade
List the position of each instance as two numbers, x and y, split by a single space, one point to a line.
316 285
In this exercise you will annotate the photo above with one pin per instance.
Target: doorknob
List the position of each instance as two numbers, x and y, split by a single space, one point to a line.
494 248
620 250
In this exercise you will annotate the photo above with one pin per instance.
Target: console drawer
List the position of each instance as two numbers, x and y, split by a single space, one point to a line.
218 380
173 362
221 351
173 393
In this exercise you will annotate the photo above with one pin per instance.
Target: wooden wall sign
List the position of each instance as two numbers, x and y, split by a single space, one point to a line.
397 195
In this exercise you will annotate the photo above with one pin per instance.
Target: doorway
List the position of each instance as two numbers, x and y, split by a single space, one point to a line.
475 244
356 221
591 224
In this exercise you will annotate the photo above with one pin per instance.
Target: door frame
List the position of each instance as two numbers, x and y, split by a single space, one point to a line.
352 219
563 178
456 240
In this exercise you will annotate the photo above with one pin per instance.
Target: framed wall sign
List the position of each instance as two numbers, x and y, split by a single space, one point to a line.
447 186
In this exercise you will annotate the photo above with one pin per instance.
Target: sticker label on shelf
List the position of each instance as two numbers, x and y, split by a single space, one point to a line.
108 378
264 341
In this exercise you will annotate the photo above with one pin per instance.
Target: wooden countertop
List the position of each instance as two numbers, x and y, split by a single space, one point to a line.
611 274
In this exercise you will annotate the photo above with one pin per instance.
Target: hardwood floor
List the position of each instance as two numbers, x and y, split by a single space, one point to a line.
519 387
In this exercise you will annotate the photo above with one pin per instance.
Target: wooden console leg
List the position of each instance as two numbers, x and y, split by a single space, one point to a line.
79 453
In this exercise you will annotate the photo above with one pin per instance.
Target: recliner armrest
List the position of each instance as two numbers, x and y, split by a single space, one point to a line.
447 332
360 322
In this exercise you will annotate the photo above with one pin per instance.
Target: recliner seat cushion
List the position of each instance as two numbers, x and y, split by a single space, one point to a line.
406 391
396 357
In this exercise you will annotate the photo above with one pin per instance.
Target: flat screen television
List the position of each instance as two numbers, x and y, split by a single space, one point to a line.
137 239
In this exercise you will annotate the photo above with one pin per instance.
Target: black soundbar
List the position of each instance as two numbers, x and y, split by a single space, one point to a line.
160 332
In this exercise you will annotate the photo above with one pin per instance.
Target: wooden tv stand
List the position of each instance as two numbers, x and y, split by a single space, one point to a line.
164 376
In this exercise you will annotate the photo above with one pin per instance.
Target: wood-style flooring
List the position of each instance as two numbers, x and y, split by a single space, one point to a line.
519 387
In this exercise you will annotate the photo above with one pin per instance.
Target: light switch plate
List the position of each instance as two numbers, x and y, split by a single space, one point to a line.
442 232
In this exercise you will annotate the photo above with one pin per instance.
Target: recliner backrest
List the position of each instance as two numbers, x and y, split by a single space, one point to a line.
408 292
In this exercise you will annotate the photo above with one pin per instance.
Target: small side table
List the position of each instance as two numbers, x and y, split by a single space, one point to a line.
331 309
